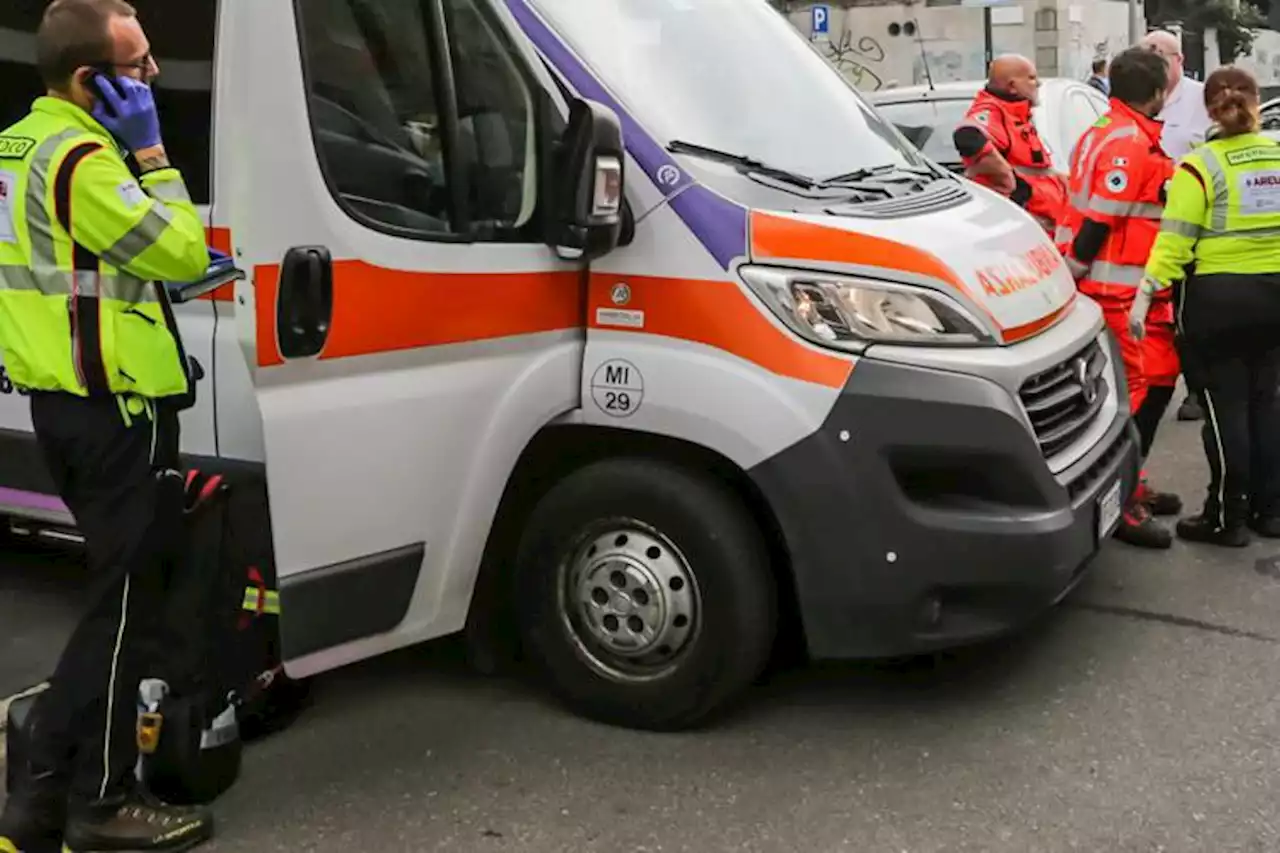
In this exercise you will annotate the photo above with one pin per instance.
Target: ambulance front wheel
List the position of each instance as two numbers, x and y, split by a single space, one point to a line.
644 594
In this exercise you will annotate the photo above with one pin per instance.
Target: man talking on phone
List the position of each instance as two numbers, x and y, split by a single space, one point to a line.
87 330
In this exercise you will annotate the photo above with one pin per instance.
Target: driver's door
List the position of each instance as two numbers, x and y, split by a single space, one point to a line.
407 329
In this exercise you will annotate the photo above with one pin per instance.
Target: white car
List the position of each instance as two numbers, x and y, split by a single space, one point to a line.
1271 119
928 115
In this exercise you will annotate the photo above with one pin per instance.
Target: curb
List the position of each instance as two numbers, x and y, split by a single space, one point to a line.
4 713
4 724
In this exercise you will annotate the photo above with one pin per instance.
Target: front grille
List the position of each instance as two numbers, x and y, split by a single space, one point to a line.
1084 481
1063 401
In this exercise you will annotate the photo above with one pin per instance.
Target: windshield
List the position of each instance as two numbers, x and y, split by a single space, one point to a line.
929 125
732 75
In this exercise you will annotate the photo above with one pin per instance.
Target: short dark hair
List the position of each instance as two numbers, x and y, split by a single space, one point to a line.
75 33
1099 65
1138 75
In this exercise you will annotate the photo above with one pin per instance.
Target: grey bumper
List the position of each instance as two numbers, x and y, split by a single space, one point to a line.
922 515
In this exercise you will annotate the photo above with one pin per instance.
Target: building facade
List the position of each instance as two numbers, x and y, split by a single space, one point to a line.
879 44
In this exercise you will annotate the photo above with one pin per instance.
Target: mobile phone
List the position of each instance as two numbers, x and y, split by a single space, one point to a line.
98 79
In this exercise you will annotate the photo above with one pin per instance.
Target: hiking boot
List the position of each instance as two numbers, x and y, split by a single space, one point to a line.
1266 526
39 845
8 845
1138 528
1205 529
1159 503
1190 410
33 814
141 824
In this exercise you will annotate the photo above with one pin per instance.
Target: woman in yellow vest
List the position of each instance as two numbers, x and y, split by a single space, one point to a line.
1220 237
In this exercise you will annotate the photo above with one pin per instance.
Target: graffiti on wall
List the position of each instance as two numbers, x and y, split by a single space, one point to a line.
855 60
1268 65
947 64
1079 60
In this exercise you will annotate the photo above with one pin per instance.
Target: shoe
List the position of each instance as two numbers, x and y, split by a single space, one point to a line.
1138 528
1191 410
141 824
1266 526
8 845
33 815
1203 529
1160 503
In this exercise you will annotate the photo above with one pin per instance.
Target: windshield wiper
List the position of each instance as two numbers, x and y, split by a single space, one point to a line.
745 164
887 171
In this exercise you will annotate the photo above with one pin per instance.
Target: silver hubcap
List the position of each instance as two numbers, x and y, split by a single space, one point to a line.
630 602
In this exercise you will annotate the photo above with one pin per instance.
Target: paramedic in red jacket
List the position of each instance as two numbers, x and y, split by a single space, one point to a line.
1119 177
1001 148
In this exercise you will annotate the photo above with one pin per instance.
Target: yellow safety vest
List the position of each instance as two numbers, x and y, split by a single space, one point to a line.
1223 212
82 247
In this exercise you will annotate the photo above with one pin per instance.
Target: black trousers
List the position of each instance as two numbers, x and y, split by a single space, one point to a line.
114 462
1241 426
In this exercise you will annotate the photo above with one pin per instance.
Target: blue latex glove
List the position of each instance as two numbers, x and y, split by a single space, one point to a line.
127 108
217 259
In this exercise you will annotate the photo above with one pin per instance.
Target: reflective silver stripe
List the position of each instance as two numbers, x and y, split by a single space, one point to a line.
55 282
1080 201
39 227
1131 209
1242 234
1088 139
1124 275
1218 218
111 690
170 190
1061 234
1182 229
140 237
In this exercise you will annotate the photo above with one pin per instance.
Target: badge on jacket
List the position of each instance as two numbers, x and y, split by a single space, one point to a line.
8 187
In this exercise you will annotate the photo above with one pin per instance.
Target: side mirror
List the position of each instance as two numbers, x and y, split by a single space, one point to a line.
589 210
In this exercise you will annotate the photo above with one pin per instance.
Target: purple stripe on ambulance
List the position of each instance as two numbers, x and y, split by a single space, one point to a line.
719 224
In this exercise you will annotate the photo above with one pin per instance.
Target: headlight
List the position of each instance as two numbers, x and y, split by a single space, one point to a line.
850 313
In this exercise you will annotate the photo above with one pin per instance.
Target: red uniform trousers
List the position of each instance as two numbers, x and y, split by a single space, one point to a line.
1151 362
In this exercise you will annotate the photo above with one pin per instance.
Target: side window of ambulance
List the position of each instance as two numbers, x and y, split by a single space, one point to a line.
375 103
496 126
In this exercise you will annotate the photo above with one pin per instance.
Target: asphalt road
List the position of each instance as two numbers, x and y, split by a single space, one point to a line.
1141 716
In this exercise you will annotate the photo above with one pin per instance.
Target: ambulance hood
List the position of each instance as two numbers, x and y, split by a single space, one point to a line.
985 252
792 110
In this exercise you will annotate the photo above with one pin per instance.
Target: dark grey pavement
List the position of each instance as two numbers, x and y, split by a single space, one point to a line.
1142 716
39 604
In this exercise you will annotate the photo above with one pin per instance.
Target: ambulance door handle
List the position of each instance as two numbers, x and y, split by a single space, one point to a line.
305 306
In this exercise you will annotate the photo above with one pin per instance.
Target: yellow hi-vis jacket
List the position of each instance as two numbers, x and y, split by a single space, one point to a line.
1222 212
82 246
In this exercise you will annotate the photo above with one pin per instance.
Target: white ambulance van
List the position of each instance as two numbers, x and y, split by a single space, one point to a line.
812 383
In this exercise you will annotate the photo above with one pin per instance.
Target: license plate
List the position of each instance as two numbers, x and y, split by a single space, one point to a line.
1109 507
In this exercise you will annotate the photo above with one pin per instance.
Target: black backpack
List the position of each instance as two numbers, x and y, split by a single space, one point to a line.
222 667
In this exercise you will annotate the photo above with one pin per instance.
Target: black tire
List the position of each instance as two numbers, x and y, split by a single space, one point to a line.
725 555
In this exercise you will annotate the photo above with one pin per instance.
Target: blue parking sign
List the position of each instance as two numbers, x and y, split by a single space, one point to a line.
821 24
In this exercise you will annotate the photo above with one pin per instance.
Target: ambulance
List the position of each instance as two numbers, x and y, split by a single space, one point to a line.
627 325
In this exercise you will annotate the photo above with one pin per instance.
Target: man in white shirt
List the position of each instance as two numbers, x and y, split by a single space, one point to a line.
1186 119
1186 122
